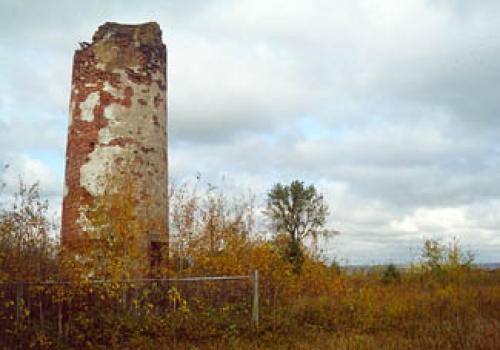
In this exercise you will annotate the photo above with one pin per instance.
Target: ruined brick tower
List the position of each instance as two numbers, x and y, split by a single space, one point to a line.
117 135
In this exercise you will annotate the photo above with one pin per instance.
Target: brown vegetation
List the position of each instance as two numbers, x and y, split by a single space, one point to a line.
443 303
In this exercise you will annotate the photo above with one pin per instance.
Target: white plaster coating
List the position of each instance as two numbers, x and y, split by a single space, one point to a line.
65 190
83 221
135 126
121 118
94 173
105 136
108 87
87 107
100 66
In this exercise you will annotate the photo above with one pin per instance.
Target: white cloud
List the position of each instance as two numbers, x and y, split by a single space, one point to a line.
390 107
444 221
31 171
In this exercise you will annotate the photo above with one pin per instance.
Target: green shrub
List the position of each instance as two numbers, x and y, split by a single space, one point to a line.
391 274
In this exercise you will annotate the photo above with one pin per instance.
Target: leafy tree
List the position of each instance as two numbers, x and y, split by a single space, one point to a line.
205 224
440 259
27 248
300 212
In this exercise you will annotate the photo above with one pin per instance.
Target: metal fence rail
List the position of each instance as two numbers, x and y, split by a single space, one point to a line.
57 307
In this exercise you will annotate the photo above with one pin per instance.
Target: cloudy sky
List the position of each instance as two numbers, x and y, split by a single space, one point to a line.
391 108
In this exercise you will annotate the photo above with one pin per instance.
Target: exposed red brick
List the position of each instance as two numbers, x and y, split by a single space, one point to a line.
129 92
158 100
90 75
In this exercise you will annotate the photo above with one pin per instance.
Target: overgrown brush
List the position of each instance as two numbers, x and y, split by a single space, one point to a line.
321 307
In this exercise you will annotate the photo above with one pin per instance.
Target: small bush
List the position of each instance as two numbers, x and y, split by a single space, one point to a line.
391 274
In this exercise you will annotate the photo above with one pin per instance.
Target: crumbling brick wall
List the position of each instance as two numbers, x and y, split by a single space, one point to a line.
118 128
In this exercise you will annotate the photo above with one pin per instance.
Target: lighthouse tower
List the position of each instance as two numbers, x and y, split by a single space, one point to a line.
117 136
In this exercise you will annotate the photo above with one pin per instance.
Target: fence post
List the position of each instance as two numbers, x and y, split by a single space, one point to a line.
255 310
